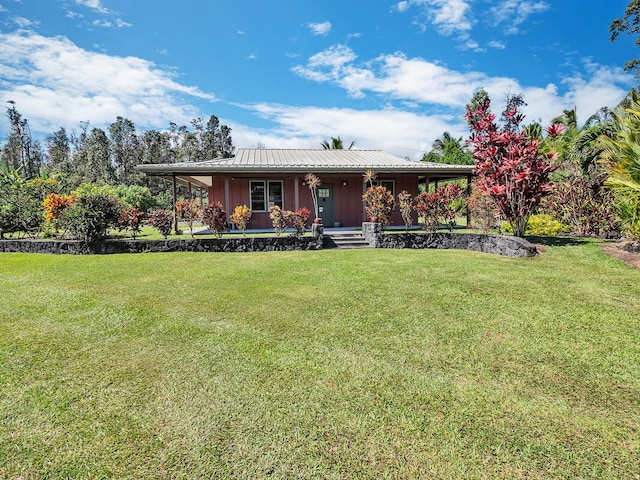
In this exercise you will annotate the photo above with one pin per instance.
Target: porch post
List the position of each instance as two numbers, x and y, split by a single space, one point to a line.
227 200
190 191
296 193
468 195
175 199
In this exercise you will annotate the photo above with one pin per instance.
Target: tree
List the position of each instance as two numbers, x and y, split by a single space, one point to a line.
124 148
449 150
622 156
21 151
629 24
509 166
98 165
336 144
59 152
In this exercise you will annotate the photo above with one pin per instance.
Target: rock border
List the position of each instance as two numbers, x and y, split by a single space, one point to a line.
249 244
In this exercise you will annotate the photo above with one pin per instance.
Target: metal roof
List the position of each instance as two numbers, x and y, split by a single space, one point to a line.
254 160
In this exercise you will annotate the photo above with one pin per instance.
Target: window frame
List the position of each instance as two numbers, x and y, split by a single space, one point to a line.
266 190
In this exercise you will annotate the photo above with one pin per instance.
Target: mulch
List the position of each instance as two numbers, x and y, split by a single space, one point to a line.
627 251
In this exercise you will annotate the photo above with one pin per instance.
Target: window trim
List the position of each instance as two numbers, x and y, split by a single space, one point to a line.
265 184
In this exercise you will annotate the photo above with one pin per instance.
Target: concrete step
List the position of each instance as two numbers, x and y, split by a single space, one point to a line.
348 240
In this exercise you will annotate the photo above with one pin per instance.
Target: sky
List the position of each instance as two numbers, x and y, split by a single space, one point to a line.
390 75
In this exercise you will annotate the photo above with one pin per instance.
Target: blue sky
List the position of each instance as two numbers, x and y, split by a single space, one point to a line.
290 73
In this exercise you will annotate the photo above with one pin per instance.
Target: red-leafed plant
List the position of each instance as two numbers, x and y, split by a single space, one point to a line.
297 220
440 206
509 166
378 204
215 218
190 211
405 203
161 220
131 219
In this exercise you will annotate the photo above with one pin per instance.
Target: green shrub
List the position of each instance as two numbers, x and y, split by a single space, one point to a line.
542 224
91 216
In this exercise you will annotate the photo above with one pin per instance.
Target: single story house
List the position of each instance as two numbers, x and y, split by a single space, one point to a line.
261 178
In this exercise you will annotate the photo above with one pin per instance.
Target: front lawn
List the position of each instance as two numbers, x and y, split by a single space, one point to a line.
324 364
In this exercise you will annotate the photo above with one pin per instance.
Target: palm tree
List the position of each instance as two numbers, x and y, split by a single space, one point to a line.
622 159
450 150
336 144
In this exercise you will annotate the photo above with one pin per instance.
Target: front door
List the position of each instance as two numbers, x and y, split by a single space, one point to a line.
325 204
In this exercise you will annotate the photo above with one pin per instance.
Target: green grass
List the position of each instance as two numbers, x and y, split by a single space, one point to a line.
328 364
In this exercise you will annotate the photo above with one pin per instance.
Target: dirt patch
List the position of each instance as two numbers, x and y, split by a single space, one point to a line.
628 252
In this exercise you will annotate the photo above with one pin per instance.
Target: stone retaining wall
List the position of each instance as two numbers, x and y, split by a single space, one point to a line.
496 244
75 247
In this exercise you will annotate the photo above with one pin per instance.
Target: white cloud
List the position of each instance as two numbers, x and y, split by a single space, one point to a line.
498 45
93 5
55 83
320 28
252 56
513 13
449 16
405 133
416 80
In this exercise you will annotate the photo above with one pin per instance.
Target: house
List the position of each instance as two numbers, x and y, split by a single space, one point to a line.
261 178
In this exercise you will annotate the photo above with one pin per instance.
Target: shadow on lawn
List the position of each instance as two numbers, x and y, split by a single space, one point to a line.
557 241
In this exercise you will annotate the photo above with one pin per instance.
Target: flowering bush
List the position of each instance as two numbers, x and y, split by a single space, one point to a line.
162 221
440 206
189 210
405 201
131 219
241 216
277 219
215 218
378 204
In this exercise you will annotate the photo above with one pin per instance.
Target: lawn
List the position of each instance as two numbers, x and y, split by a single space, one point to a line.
327 364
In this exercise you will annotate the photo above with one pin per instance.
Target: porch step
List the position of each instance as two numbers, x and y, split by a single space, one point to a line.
346 240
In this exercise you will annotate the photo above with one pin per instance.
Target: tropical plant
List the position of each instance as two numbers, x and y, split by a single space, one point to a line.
508 163
297 220
622 160
54 205
405 203
378 204
450 150
91 216
482 210
541 224
336 144
161 220
240 217
190 211
278 220
439 207
215 218
313 182
131 219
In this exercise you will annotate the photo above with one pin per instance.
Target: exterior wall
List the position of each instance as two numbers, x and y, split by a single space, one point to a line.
347 195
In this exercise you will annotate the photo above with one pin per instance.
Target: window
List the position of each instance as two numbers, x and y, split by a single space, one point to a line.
263 194
390 185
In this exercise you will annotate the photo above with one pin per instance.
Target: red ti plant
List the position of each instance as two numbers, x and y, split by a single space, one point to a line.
509 166
405 202
215 218
189 210
131 219
439 207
